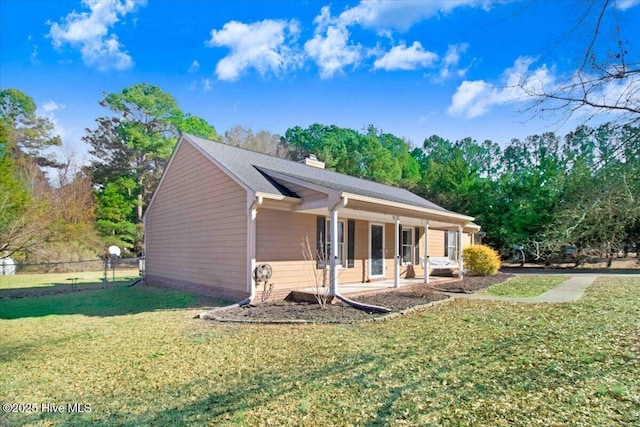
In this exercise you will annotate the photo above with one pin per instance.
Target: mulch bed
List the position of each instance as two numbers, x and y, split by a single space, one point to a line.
473 284
339 312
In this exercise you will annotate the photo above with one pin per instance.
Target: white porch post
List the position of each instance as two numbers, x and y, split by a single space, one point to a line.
333 238
426 252
396 261
460 251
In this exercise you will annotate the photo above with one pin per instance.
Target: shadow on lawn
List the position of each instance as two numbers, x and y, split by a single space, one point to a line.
443 385
60 288
113 301
358 372
228 406
505 362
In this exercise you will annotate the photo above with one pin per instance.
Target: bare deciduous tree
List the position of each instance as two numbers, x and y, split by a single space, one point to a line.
607 77
319 275
262 142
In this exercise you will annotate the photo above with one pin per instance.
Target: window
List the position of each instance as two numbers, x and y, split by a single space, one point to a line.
346 242
341 246
406 251
451 244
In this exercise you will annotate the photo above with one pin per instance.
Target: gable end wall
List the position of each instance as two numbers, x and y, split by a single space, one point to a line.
196 229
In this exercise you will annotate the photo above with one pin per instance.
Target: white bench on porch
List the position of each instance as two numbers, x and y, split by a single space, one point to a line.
440 263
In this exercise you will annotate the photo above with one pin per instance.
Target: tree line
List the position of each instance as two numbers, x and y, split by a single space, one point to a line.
545 193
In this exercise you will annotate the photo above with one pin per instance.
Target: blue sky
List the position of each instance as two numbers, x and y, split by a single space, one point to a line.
412 68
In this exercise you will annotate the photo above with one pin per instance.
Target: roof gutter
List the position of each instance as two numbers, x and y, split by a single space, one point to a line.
341 203
459 218
257 202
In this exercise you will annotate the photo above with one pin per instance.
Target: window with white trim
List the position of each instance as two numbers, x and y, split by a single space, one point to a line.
341 249
407 249
452 245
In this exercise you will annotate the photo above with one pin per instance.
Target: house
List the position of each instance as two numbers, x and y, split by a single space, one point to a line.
220 210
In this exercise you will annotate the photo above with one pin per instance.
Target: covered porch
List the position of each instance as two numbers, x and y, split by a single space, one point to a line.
357 289
410 255
361 243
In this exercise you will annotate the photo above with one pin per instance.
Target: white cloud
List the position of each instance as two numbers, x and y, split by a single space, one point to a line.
49 110
402 15
207 84
269 46
612 97
261 46
90 32
332 51
402 57
470 99
626 4
33 58
619 91
195 66
323 20
475 98
520 83
451 60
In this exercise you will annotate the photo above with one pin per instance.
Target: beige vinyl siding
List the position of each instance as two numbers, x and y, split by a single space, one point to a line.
279 239
196 226
436 242
360 271
466 240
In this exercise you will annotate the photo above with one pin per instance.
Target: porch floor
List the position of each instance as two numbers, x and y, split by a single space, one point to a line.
386 285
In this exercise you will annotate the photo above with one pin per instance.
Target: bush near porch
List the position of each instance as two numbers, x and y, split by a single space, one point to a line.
481 260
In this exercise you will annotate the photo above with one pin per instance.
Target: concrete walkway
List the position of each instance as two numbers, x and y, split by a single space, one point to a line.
570 290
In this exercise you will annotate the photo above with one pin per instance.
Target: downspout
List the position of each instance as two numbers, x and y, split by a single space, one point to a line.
251 244
333 237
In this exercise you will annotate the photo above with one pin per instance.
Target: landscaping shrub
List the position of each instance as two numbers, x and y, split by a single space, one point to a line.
481 260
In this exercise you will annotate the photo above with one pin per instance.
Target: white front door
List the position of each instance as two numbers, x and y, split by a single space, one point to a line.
376 250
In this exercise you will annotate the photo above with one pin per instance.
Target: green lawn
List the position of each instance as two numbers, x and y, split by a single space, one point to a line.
526 286
146 361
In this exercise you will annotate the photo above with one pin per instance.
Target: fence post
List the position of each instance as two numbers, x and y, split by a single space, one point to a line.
104 279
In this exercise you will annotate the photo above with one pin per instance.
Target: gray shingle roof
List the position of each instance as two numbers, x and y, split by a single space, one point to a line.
253 169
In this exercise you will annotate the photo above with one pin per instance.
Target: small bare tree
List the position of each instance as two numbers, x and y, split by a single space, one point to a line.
319 274
607 79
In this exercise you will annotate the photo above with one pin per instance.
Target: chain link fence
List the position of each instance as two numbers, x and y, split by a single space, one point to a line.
32 279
